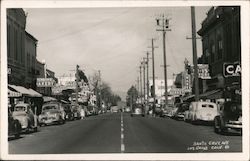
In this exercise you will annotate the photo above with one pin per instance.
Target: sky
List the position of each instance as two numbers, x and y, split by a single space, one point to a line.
112 40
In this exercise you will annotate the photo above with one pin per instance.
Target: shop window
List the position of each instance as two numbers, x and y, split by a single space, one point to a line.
212 52
220 48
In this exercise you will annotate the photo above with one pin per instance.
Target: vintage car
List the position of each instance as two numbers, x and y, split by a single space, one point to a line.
229 118
181 109
14 126
76 111
52 113
24 114
138 110
69 114
199 112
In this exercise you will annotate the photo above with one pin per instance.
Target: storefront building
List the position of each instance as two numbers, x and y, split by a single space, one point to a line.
221 45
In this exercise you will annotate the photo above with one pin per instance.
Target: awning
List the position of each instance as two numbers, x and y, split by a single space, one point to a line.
47 99
214 94
12 93
34 93
188 97
63 101
25 91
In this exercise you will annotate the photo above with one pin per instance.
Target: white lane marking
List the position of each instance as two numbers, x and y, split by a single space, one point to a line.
122 148
122 135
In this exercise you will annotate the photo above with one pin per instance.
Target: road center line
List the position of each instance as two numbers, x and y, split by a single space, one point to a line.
122 135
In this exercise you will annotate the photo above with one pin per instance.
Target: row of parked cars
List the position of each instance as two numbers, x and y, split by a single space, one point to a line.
23 119
226 117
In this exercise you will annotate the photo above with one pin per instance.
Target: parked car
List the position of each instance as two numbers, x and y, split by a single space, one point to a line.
172 112
229 118
14 126
76 111
92 110
115 109
69 115
158 110
201 112
138 109
23 113
52 113
180 112
127 110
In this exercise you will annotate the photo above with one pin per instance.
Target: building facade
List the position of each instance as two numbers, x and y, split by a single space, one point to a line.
21 50
16 22
30 57
221 44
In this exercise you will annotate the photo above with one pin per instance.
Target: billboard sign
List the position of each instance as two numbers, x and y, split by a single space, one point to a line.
203 71
45 82
232 69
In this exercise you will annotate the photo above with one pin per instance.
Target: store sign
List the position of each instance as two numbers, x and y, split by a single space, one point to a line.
203 71
232 69
45 82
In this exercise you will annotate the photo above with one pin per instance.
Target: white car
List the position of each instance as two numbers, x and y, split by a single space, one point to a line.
201 111
23 113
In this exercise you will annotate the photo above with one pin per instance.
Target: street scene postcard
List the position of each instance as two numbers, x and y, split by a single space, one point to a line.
125 80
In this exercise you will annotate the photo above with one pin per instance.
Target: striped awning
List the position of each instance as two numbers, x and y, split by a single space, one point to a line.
12 93
24 91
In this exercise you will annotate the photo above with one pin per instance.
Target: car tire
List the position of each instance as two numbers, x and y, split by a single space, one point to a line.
216 126
35 129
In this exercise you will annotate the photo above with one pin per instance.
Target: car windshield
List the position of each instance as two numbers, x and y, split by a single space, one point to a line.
20 108
183 108
50 107
207 106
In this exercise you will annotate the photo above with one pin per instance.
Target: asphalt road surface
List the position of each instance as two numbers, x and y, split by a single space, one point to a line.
121 133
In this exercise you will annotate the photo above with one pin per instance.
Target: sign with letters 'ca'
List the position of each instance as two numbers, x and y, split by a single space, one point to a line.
232 69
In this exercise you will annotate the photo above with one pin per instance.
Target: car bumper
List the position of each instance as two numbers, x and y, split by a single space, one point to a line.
49 120
233 126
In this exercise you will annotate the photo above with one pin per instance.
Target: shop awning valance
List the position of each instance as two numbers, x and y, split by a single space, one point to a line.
48 99
12 93
214 94
25 91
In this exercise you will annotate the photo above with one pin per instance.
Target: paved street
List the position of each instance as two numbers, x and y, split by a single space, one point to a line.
120 133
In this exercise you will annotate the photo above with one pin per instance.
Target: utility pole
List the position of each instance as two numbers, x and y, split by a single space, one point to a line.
153 72
77 80
100 91
164 23
141 83
144 81
196 81
147 78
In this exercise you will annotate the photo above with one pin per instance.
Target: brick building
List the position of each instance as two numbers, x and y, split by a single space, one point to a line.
221 43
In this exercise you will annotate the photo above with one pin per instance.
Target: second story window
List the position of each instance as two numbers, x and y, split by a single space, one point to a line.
212 48
220 48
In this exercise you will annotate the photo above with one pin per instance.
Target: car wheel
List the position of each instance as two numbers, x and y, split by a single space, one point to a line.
217 126
35 129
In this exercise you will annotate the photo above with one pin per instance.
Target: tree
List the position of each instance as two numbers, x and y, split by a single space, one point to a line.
132 95
103 91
